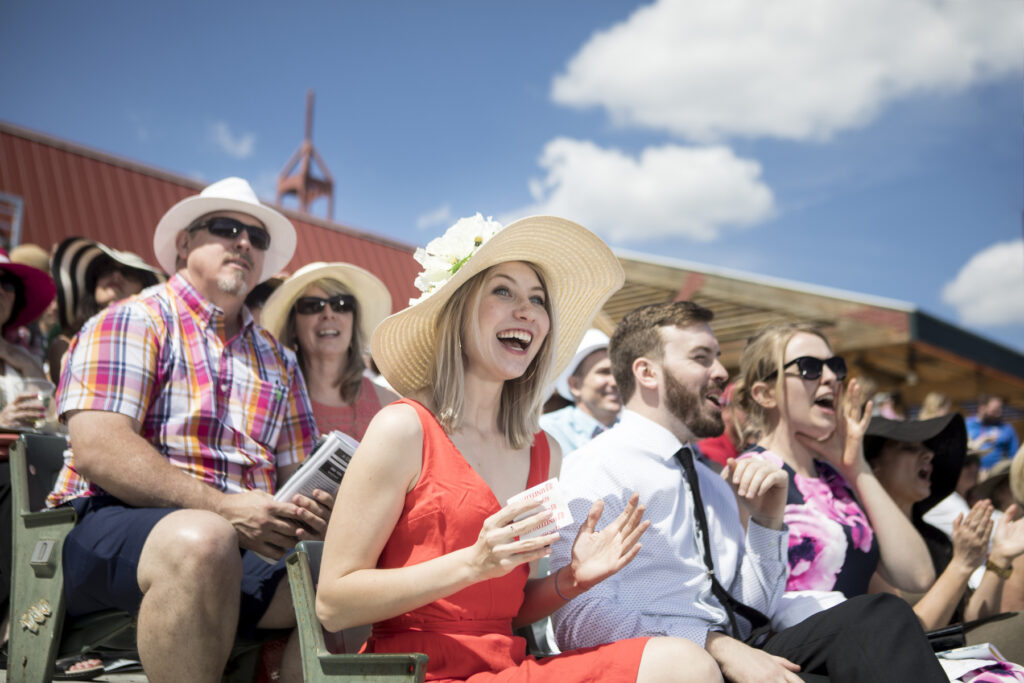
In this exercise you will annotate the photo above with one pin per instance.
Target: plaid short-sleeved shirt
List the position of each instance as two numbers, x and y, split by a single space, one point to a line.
228 413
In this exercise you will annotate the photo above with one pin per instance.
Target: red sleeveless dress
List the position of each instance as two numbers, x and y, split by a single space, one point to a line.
468 635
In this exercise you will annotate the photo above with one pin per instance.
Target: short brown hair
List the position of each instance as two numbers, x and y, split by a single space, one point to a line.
638 334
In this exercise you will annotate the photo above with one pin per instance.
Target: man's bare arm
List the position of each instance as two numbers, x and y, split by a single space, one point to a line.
110 452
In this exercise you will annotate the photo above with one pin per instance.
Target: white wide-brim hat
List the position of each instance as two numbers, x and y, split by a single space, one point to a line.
373 300
580 272
229 194
72 265
593 340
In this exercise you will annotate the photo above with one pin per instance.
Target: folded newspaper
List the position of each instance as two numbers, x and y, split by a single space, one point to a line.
323 470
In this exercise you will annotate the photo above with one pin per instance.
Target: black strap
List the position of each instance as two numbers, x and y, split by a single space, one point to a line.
759 623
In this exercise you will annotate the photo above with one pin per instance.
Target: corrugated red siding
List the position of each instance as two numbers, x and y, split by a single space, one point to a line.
70 190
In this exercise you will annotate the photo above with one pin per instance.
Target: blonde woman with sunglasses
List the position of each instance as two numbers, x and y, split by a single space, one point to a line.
842 524
326 313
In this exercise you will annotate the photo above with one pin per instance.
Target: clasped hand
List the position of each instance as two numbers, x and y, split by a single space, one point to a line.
271 527
762 488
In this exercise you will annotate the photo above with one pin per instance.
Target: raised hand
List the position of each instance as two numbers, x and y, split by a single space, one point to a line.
596 555
1008 537
498 549
761 487
844 447
971 532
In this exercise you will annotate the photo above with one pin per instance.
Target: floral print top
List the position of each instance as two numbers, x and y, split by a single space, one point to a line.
831 544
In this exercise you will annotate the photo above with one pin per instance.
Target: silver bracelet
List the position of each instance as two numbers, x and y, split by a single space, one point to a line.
556 585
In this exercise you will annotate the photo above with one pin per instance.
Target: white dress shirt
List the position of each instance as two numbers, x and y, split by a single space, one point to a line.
665 590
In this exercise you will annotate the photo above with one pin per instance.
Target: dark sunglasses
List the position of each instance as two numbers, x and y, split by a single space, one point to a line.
230 229
340 303
811 367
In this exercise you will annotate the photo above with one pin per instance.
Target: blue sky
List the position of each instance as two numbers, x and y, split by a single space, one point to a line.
868 145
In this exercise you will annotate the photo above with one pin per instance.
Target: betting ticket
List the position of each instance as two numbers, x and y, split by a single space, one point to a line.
549 495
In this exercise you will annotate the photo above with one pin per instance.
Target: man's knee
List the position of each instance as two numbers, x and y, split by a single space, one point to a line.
191 544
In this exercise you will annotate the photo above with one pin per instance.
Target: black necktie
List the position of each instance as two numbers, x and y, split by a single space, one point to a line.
759 623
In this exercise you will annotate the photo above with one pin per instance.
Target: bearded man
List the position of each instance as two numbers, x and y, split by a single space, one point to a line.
709 570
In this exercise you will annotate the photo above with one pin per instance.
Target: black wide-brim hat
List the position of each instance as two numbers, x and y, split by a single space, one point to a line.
72 266
945 436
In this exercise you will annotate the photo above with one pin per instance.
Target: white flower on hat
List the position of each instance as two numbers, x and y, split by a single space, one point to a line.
444 255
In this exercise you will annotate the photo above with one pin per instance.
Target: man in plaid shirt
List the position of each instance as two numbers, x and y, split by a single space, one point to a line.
184 417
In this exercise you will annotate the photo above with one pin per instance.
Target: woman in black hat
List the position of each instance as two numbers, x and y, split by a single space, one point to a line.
89 277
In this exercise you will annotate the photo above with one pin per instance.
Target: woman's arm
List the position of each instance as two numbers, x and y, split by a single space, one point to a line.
904 562
970 543
386 466
1007 549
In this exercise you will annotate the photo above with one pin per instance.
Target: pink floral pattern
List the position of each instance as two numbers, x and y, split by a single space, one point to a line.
817 549
830 495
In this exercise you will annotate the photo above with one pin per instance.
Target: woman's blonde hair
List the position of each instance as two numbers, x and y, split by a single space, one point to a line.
521 398
351 375
764 354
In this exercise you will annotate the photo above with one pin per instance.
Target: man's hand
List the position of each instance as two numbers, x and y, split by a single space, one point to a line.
263 524
761 487
314 514
741 663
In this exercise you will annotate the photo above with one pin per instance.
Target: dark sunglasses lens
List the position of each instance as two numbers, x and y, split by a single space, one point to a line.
838 367
229 228
343 303
810 368
308 305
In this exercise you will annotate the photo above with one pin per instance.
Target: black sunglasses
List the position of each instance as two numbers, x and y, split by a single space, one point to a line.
811 367
340 303
230 229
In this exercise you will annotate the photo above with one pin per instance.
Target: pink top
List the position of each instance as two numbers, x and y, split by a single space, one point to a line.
352 419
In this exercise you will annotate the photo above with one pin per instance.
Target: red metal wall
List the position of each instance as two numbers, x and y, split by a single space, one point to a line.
70 190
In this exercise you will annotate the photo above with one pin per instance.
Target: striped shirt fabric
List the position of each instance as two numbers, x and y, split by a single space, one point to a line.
227 412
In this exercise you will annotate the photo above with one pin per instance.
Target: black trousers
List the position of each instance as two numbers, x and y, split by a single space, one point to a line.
867 639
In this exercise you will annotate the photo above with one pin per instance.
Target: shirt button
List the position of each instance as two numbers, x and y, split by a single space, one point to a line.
225 387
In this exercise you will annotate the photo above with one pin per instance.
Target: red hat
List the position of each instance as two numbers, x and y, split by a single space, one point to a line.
37 288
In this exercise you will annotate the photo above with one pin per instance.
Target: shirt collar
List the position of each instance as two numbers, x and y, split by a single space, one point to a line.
203 308
656 438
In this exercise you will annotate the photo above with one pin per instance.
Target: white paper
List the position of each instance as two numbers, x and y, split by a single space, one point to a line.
549 496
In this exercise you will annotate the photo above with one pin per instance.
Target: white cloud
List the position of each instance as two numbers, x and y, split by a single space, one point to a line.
236 146
439 217
668 191
797 69
989 289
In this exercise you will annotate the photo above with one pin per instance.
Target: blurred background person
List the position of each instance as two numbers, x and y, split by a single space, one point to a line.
36 335
989 434
326 313
934 405
589 384
89 277
257 298
956 503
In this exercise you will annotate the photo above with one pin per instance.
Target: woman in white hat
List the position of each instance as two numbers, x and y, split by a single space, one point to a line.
326 313
90 276
422 542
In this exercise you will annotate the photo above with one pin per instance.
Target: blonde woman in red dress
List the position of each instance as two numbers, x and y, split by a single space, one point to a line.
423 544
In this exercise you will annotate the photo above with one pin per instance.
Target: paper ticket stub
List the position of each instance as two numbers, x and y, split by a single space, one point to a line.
548 495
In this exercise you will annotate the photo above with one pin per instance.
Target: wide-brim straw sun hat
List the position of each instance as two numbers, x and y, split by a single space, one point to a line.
37 288
72 269
593 340
945 437
373 301
229 194
579 270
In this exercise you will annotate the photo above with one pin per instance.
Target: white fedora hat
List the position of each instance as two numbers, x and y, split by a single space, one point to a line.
580 272
593 340
229 194
373 301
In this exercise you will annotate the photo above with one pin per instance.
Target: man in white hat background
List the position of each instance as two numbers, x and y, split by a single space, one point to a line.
184 417
587 382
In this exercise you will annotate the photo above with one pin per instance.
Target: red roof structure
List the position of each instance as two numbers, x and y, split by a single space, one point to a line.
67 189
